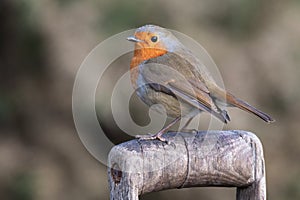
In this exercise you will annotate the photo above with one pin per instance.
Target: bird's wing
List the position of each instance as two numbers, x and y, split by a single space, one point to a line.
171 75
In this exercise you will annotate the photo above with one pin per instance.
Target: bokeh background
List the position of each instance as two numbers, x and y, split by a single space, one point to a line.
256 45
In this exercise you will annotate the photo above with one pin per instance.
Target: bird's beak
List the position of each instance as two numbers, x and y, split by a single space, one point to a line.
134 39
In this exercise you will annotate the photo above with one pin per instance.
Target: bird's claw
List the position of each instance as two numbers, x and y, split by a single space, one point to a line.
151 137
194 131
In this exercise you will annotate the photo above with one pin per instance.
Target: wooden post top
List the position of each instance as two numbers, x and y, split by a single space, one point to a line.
213 158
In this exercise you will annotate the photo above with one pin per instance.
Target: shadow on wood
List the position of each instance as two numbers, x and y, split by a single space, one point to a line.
214 158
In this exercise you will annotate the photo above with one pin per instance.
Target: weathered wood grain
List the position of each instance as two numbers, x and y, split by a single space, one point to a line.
214 158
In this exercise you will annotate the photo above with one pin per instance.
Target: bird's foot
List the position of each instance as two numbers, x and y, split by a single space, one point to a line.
157 136
185 130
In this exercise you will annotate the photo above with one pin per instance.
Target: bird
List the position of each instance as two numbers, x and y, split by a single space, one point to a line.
164 71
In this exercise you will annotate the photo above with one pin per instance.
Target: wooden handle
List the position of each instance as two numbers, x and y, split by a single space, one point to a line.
214 158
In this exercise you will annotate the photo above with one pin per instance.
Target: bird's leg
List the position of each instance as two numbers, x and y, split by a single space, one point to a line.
159 134
184 128
187 123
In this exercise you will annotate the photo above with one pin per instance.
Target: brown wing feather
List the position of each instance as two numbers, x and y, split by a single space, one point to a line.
171 71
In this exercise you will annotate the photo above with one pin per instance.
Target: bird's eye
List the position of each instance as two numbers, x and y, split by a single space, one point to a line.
154 38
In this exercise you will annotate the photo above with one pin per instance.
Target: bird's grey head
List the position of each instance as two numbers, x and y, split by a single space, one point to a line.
156 36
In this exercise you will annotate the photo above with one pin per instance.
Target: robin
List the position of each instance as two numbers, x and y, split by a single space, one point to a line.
163 71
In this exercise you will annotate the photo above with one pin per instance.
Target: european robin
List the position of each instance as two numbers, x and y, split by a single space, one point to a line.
163 71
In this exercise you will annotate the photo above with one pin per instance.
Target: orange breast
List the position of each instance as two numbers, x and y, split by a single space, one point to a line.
141 55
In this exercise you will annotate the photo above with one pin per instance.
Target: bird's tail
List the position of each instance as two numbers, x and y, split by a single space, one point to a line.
234 101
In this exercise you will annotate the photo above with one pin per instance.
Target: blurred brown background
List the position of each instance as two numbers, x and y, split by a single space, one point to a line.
256 45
